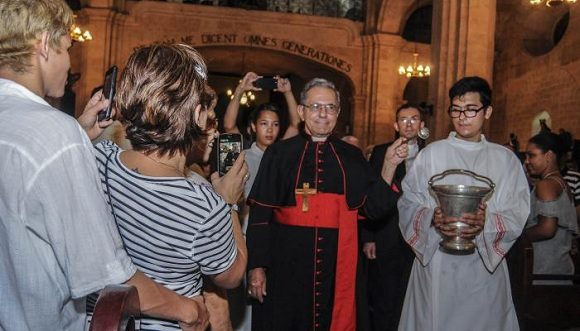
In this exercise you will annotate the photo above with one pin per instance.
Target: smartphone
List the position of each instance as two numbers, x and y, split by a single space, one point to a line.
109 87
229 148
266 83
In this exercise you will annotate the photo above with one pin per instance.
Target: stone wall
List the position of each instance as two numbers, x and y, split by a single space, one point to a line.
527 85
236 40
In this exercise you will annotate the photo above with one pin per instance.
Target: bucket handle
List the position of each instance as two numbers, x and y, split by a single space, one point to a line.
462 172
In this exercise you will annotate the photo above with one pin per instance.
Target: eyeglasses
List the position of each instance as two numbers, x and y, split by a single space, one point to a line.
407 121
469 111
330 108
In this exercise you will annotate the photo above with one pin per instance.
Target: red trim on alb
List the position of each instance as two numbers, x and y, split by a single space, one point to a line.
500 227
416 226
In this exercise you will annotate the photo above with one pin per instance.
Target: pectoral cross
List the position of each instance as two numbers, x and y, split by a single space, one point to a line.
305 192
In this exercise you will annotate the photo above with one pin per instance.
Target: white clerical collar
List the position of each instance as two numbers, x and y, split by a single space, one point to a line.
318 139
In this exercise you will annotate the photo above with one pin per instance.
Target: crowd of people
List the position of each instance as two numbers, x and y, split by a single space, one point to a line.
303 230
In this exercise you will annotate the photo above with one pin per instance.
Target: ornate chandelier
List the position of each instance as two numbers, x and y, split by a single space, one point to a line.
77 34
415 70
246 99
552 3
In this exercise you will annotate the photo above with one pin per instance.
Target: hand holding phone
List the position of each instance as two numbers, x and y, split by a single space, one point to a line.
229 148
231 186
266 83
109 87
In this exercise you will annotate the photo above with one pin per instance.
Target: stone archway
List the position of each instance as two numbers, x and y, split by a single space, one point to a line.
239 60
233 41
393 14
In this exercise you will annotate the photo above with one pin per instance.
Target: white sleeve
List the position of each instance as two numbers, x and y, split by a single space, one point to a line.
416 208
506 214
65 204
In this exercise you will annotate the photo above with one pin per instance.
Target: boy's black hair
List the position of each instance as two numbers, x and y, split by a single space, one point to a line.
472 84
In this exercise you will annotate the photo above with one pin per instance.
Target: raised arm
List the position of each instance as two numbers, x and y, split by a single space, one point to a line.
294 120
233 108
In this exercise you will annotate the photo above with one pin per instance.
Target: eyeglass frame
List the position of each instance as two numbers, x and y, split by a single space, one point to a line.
330 109
463 110
410 120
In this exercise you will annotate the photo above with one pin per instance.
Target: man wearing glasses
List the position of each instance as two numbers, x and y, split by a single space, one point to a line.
463 292
390 258
302 234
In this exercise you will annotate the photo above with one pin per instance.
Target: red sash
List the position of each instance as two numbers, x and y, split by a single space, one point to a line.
328 210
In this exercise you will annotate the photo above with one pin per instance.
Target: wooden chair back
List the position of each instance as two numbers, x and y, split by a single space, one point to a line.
541 307
116 309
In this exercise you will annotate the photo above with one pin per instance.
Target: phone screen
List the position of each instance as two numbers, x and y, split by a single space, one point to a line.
266 83
230 147
108 92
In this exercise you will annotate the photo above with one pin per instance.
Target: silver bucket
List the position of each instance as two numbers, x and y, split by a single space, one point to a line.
454 201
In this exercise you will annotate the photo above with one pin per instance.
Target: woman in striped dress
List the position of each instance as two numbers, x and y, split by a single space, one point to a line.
173 228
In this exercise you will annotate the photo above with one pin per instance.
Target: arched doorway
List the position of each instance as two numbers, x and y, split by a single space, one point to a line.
228 64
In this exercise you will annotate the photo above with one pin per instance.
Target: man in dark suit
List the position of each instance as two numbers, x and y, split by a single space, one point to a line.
390 258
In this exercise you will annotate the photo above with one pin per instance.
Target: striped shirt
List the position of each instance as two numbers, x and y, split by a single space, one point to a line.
173 229
572 178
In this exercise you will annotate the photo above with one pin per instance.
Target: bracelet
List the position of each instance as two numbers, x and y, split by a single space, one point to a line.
234 207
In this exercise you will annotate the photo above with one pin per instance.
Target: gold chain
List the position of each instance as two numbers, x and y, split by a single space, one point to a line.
165 164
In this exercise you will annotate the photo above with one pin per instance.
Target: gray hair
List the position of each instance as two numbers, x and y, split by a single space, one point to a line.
319 82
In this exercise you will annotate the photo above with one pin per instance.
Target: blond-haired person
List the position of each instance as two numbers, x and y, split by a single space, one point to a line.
58 240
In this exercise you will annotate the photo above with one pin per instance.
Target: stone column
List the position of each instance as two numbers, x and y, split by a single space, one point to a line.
95 58
462 45
382 87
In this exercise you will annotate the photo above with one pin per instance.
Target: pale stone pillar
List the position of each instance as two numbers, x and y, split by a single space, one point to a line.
95 58
381 86
359 116
462 45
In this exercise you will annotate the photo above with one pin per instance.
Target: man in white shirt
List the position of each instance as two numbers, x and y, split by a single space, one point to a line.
463 292
58 241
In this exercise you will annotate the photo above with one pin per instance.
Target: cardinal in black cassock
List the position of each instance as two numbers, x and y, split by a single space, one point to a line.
307 197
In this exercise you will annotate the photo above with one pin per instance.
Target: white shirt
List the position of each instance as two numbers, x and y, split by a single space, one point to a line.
462 292
253 158
58 241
